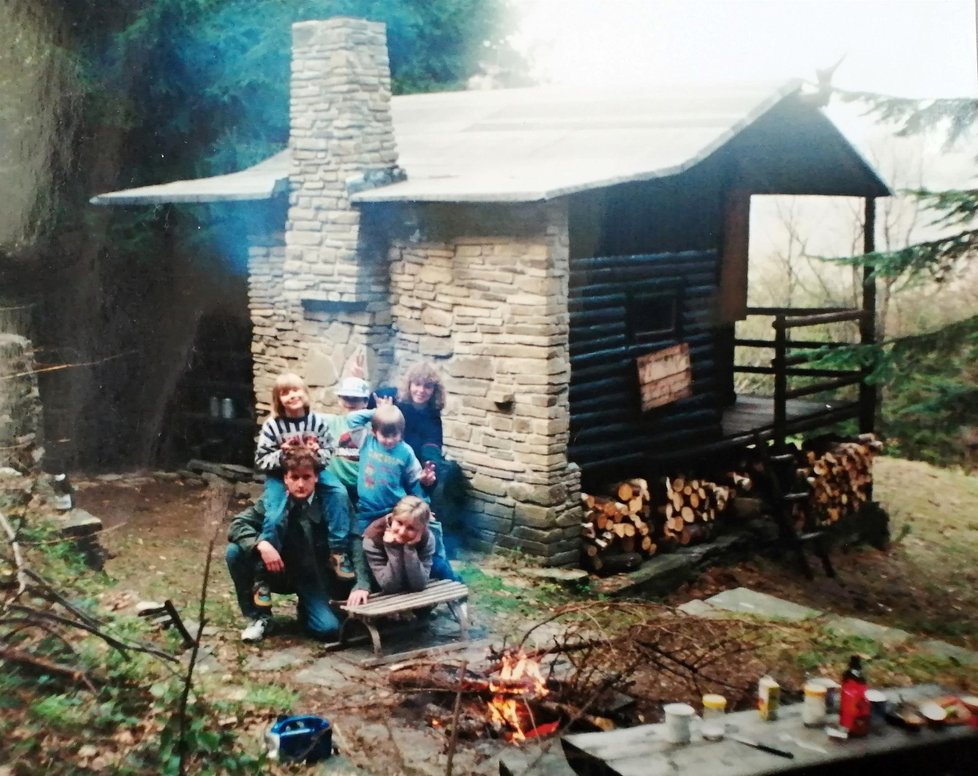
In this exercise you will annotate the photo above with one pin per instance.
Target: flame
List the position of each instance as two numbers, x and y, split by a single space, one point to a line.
519 680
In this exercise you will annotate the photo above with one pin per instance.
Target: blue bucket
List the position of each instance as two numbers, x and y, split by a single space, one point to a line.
304 737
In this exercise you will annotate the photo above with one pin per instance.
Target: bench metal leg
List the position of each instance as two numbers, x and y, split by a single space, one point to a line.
371 629
460 611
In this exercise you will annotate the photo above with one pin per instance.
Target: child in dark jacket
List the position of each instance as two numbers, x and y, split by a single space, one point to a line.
421 397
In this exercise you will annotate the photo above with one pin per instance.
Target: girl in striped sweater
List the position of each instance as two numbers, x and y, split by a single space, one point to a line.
292 424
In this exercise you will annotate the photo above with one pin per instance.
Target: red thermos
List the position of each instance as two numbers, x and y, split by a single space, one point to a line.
854 709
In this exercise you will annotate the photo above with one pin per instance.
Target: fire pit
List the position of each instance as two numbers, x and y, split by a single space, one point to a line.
579 684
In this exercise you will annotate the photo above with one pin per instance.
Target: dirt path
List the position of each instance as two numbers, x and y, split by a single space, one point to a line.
158 535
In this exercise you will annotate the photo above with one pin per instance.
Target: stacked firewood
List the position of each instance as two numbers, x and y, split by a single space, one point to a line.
635 521
839 477
691 509
617 530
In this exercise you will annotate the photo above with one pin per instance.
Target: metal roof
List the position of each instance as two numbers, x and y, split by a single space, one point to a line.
262 181
520 145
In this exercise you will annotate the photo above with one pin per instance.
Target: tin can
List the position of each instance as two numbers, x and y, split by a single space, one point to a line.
768 698
831 692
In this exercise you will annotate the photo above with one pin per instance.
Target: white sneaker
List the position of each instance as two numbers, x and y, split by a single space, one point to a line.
256 630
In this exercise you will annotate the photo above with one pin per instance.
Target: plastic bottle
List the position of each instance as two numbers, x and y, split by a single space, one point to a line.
854 710
63 495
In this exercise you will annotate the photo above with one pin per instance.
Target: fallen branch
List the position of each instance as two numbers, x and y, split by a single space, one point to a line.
22 657
455 715
123 647
218 509
48 592
18 558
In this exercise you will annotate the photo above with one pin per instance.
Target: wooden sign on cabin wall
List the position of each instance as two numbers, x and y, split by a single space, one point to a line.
664 376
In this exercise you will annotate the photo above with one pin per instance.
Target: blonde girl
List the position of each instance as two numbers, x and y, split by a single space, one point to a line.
400 548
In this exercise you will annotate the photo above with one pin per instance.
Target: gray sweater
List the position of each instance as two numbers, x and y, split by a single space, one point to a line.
397 568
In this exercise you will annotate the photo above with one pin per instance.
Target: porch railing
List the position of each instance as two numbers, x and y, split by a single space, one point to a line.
787 362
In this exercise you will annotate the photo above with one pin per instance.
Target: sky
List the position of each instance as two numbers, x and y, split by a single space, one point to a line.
913 48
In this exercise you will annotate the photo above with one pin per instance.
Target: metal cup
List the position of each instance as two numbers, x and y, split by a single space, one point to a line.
678 719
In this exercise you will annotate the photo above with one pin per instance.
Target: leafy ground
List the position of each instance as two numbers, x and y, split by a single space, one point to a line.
158 530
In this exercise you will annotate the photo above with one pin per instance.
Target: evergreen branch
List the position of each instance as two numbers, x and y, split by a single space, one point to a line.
914 116
936 258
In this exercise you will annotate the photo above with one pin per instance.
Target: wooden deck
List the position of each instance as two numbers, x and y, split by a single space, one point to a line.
755 414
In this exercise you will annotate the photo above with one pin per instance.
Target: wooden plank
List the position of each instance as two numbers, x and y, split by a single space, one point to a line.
437 592
665 376
643 750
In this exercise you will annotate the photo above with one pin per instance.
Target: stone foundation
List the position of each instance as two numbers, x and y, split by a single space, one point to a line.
20 406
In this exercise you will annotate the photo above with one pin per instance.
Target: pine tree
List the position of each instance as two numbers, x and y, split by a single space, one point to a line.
930 378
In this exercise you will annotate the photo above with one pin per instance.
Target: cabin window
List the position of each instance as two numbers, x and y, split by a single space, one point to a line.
653 316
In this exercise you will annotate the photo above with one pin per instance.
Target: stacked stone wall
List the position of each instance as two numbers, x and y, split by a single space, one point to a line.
288 336
489 305
20 406
342 137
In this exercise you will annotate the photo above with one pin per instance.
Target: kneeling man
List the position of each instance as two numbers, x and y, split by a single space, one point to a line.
290 556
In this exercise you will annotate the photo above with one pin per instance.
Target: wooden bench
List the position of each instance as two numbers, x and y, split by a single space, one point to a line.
441 591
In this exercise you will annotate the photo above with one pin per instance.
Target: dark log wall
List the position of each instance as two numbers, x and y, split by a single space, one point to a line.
657 240
609 301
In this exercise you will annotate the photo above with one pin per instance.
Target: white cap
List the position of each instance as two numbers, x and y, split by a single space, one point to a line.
353 388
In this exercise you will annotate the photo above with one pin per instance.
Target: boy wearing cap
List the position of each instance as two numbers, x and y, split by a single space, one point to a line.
349 429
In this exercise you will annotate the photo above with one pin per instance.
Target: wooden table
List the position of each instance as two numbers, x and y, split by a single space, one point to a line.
643 750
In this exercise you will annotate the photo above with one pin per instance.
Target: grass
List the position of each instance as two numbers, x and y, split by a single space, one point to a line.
799 650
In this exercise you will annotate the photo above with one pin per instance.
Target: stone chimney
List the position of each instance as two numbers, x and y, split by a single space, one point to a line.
342 141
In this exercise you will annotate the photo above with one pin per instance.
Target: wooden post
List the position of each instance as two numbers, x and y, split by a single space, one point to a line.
780 381
868 394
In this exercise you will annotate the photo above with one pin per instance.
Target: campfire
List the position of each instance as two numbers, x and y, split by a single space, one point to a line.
511 700
583 681
520 682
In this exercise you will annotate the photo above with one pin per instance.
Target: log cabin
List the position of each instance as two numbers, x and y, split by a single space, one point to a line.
574 260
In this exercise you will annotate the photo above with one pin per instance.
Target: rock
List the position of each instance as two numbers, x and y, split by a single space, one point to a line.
79 524
565 577
226 471
276 660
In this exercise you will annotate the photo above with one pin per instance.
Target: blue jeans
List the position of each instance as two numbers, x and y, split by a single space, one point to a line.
335 502
313 608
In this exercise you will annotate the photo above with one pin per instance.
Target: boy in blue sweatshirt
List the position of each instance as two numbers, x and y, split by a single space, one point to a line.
389 471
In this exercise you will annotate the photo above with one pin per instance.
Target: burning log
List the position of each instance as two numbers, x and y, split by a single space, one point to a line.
512 700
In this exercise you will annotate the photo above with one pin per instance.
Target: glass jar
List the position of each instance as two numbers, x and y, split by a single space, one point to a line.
813 709
714 706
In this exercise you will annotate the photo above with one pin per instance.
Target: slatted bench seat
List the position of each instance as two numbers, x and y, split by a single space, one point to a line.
441 591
